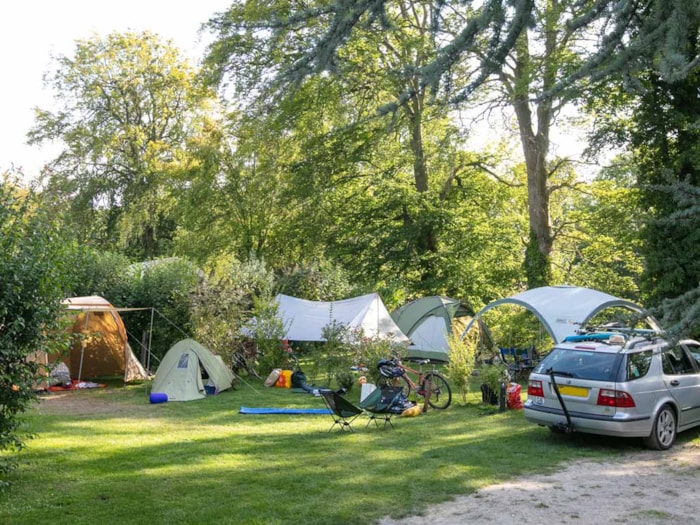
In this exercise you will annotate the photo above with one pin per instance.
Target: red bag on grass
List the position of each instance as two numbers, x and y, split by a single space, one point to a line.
513 396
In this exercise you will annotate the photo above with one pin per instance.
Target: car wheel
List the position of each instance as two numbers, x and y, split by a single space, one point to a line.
554 429
663 433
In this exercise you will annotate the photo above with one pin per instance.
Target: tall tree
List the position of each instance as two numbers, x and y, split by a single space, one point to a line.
490 38
666 142
598 227
234 198
395 169
127 104
650 107
543 55
484 42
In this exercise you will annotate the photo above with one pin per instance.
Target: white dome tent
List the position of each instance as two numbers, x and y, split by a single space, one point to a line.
564 309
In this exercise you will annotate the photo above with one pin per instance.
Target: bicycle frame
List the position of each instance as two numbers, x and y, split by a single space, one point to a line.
437 394
417 387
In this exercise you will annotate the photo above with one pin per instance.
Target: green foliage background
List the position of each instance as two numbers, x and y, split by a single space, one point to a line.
35 273
335 162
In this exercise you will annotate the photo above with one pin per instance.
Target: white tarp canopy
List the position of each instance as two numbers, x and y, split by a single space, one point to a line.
564 309
304 320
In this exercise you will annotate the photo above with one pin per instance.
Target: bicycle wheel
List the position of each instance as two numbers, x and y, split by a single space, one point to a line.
440 391
395 381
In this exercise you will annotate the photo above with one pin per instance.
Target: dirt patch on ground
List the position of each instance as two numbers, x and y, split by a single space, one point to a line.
86 403
647 487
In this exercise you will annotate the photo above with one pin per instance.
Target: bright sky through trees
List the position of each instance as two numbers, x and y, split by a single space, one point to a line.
33 30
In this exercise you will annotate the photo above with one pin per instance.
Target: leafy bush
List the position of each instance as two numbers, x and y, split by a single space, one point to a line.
34 276
345 349
369 350
267 332
102 273
492 375
462 358
344 379
224 302
333 358
166 285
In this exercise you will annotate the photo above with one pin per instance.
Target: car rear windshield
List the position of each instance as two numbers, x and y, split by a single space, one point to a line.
580 364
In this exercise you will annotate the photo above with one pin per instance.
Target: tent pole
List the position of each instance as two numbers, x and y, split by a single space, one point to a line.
82 345
150 337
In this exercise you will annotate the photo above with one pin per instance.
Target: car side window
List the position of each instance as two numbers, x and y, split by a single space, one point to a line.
638 364
676 362
694 350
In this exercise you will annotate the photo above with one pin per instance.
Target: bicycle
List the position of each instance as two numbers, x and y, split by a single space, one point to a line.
245 357
393 372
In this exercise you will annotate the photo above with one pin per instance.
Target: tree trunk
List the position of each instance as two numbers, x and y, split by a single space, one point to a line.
427 242
535 146
539 249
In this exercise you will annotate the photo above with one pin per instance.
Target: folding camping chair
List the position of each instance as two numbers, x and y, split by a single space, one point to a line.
381 403
342 411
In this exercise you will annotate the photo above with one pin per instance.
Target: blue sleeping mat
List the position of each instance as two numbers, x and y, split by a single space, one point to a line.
249 410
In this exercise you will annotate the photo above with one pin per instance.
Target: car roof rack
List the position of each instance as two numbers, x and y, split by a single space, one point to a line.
604 333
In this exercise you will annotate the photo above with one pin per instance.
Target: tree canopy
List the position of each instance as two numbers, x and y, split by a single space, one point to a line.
543 53
128 104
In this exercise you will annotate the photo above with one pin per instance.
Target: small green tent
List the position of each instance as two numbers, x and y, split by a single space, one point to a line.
429 322
186 368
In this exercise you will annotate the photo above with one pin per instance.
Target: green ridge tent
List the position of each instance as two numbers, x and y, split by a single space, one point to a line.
180 374
429 322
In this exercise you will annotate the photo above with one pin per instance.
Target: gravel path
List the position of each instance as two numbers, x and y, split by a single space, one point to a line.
643 488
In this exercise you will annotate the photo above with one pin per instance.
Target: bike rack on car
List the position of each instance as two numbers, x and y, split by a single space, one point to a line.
567 427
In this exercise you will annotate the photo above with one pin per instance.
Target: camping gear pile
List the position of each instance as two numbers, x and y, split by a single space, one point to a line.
190 371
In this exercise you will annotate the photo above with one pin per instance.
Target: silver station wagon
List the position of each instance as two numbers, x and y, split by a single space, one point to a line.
633 384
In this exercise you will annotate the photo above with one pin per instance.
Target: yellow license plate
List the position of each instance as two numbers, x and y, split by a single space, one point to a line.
575 391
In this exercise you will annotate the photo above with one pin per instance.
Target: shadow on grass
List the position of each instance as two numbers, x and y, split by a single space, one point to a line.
204 462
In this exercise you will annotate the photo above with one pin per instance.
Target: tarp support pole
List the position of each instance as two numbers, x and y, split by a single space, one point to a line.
82 346
150 337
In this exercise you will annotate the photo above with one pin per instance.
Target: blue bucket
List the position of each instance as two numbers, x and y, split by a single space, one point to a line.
158 397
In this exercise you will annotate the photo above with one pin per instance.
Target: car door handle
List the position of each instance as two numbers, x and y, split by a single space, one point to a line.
675 382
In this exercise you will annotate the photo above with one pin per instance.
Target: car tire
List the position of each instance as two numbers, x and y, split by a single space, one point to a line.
663 433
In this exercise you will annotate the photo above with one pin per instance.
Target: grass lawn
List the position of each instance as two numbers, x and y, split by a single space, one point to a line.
108 456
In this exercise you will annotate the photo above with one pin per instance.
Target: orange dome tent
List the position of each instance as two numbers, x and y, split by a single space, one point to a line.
103 348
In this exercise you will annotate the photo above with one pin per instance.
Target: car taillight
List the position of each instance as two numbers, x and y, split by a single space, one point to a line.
534 388
615 398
